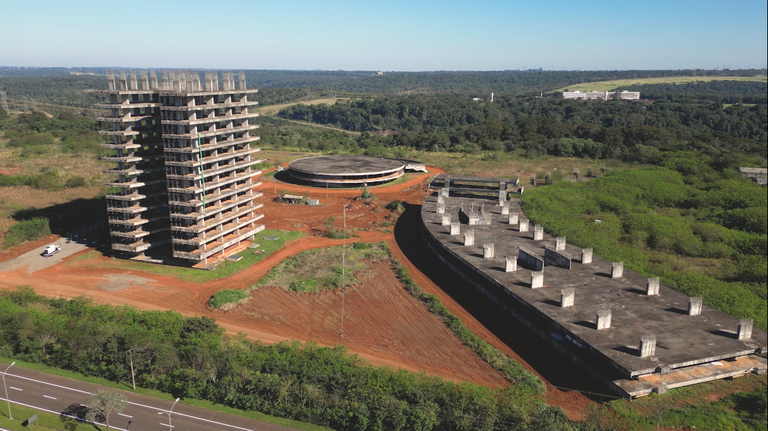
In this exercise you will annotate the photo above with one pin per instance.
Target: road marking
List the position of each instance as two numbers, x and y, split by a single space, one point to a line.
166 425
62 414
163 411
16 389
49 397
123 414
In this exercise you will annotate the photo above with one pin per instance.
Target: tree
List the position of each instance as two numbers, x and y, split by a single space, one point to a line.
102 403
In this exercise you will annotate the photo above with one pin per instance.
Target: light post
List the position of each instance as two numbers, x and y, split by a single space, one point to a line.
170 426
8 400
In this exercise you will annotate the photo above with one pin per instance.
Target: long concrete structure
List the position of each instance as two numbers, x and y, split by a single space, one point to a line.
184 163
631 332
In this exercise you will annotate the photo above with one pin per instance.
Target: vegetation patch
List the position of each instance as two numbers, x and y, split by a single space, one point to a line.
26 230
321 269
619 83
701 230
226 298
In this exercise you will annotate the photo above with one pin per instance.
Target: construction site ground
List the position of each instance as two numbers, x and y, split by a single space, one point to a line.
383 324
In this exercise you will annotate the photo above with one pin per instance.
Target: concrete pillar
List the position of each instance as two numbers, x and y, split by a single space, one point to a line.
522 189
745 329
445 191
560 243
647 346
538 232
567 296
586 256
617 270
576 173
547 177
652 288
694 305
537 279
446 220
505 208
440 198
455 228
533 178
514 218
603 318
469 237
510 264
502 197
441 208
523 225
488 251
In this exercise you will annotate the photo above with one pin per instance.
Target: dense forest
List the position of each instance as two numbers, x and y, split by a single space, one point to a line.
717 91
190 357
630 130
68 86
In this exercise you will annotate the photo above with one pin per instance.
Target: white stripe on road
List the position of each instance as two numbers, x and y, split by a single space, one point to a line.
16 389
135 404
166 425
49 397
123 414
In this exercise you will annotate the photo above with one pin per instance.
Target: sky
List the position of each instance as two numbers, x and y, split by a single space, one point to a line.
385 35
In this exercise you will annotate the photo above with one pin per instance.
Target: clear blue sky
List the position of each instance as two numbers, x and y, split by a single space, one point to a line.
389 35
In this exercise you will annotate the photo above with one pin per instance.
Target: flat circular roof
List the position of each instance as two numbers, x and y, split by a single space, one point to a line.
345 165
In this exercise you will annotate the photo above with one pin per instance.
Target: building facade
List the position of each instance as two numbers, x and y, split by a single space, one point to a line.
184 153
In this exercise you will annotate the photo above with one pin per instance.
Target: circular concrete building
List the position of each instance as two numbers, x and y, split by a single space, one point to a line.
345 171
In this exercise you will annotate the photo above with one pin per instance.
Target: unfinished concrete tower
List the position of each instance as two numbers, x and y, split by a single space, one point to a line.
137 207
208 163
191 153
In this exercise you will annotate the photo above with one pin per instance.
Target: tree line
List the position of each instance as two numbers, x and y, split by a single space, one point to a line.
190 357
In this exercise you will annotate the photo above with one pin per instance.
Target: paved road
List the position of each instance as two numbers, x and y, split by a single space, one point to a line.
34 261
62 396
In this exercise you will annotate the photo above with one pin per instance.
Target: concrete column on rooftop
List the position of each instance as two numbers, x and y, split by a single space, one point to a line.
533 178
576 173
445 191
586 256
694 305
567 297
455 228
469 237
652 288
603 318
502 197
514 218
446 220
560 243
441 208
488 251
523 225
537 279
505 208
510 264
617 270
522 189
538 232
744 332
647 346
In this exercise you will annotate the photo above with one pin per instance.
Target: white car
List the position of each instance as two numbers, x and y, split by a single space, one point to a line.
51 250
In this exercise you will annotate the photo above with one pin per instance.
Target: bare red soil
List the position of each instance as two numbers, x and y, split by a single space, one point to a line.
383 324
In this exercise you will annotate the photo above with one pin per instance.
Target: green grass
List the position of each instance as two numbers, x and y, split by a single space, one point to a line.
148 392
44 420
321 269
227 296
610 85
225 269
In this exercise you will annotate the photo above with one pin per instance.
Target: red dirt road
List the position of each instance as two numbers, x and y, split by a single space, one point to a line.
383 324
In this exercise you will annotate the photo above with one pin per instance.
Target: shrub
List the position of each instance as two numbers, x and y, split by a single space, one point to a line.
27 230
75 182
224 297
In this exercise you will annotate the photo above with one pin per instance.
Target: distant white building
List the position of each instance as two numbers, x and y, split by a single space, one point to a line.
605 95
